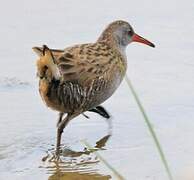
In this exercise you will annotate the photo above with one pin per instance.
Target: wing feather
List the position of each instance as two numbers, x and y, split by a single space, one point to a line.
84 63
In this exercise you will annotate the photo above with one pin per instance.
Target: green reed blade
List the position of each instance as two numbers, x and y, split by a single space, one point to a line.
156 141
117 174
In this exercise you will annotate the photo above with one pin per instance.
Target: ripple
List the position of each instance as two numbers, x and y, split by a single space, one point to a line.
12 82
81 166
75 164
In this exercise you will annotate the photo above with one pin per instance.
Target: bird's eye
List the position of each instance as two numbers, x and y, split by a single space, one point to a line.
130 32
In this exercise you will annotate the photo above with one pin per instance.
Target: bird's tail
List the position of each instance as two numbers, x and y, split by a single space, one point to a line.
46 65
38 51
55 52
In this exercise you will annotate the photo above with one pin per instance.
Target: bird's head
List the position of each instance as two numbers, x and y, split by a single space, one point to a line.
122 33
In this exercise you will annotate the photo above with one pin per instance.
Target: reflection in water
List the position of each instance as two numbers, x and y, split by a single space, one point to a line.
58 175
78 165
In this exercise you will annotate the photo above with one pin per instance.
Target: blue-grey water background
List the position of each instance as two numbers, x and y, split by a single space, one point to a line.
163 78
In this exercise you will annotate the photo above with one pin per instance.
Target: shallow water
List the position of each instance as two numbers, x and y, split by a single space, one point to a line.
26 142
28 133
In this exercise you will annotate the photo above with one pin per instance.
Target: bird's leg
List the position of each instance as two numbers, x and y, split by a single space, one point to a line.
60 118
102 111
109 121
60 127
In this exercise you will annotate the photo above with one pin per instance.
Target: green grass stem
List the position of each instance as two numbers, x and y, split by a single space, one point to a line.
153 134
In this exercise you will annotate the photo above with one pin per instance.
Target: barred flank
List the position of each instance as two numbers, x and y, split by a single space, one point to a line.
72 96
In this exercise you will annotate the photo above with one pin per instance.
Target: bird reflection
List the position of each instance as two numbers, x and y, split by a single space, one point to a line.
78 165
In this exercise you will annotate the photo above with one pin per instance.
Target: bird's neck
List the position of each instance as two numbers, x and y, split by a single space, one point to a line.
122 50
114 42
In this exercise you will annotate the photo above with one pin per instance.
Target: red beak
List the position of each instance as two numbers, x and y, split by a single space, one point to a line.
137 38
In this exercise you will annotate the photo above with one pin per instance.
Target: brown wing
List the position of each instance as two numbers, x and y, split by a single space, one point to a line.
85 62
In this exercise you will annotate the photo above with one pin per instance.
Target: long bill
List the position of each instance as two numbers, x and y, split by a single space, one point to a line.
138 38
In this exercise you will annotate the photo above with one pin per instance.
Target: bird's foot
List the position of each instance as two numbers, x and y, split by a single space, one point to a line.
53 156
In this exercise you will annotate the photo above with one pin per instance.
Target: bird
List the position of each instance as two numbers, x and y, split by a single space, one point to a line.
57 52
81 77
